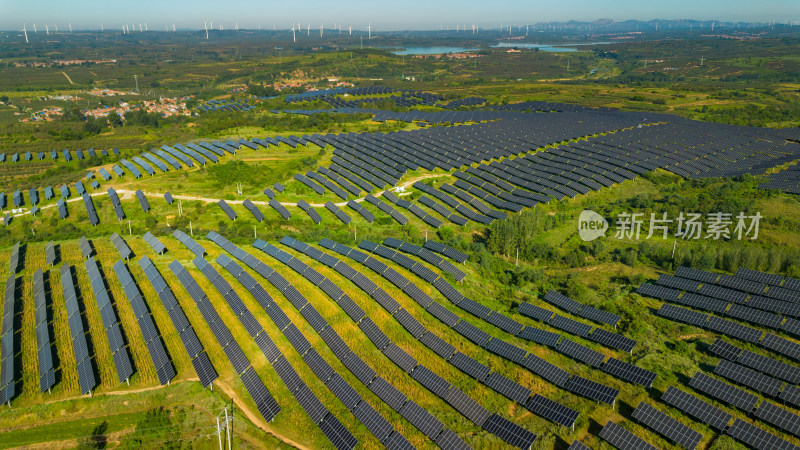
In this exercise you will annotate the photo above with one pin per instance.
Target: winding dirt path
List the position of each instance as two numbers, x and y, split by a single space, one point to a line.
68 78
127 193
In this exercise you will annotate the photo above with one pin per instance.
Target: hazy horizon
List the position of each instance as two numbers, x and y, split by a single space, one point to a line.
411 15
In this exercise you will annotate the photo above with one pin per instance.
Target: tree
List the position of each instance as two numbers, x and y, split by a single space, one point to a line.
4 99
114 119
92 126
98 439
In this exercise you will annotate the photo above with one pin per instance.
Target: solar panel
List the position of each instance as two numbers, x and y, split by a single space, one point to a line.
580 352
750 378
552 411
373 421
629 372
612 340
779 417
343 391
665 425
697 408
450 440
782 346
397 441
534 312
400 357
757 438
337 433
723 392
506 350
683 315
791 395
591 389
769 366
546 370
509 431
619 437
570 326
577 445
472 333
507 387
562 301
725 350
388 393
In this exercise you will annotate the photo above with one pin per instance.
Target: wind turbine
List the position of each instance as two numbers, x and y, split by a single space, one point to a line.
70 27
205 25
34 29
145 27
294 38
25 30
351 30
308 29
101 28
173 27
47 29
321 27
369 30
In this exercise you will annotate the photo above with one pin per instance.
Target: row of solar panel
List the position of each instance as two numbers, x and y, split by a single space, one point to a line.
467 406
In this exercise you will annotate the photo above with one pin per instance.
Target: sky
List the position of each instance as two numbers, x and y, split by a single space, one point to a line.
383 15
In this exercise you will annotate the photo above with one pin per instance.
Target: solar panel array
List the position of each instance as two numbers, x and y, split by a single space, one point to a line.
142 200
723 391
425 376
50 253
307 399
259 216
112 194
44 346
86 378
194 348
90 210
619 437
158 354
7 383
546 370
154 243
697 408
265 402
666 426
420 418
464 363
190 243
226 208
755 437
116 344
121 246
312 213
425 255
14 260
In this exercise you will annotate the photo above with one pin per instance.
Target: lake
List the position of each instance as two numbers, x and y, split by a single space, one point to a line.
566 47
431 50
